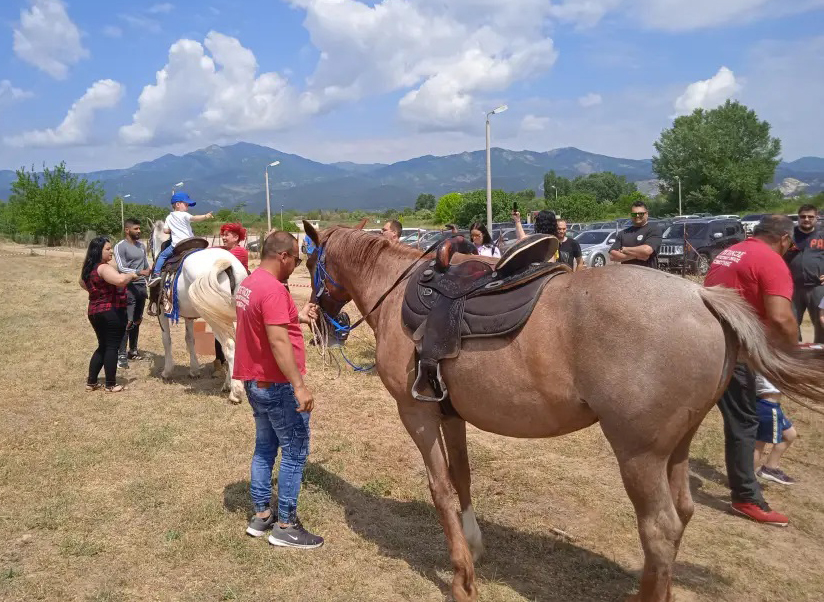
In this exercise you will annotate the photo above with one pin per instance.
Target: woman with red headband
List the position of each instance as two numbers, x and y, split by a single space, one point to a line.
231 235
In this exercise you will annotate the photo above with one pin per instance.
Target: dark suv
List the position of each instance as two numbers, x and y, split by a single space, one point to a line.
706 238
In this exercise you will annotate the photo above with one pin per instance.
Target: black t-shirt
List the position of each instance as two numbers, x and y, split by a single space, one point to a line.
635 236
806 261
569 251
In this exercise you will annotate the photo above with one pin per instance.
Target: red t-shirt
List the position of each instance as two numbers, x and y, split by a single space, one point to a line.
241 254
754 270
262 299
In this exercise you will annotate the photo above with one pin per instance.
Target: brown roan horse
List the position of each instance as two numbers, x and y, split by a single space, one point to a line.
643 353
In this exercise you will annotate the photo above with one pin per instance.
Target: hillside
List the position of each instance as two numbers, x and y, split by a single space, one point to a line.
224 176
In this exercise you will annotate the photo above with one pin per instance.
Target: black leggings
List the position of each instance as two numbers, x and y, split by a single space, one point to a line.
109 326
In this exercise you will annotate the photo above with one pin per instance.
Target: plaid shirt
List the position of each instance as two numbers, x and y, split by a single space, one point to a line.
102 295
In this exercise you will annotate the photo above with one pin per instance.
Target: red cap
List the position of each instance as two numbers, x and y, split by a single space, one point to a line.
236 228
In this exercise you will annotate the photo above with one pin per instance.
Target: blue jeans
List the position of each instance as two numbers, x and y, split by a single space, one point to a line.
278 424
161 259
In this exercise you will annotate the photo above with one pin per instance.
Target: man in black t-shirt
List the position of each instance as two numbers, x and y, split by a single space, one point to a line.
638 244
569 251
806 261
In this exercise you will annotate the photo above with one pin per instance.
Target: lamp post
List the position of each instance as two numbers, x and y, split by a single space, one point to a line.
555 188
178 185
268 206
500 109
679 195
122 215
281 217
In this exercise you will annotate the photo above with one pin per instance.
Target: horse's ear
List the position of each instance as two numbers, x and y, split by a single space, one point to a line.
362 224
310 231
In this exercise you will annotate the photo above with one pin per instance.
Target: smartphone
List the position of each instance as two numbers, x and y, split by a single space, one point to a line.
515 207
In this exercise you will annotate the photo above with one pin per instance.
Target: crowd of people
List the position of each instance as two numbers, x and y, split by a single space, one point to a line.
779 272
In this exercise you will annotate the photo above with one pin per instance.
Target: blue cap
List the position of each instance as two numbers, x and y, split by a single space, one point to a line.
182 197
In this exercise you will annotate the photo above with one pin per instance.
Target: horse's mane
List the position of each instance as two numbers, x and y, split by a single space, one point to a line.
363 248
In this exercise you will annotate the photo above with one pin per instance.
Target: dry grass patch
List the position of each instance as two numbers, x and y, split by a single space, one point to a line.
144 495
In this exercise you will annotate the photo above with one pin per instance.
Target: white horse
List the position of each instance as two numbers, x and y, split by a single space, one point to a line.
204 291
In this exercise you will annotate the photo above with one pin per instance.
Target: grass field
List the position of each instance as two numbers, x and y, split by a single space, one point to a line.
144 495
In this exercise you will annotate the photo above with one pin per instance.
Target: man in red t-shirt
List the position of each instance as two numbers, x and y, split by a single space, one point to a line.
231 235
270 359
755 269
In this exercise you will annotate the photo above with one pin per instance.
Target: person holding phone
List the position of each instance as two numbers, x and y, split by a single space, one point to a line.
545 223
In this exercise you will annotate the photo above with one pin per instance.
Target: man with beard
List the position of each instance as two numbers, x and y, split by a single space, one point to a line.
130 255
806 261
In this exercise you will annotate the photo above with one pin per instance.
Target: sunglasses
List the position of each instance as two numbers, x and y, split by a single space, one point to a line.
806 217
640 214
297 258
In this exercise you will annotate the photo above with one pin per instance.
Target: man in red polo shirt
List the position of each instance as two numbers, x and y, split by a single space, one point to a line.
755 269
270 359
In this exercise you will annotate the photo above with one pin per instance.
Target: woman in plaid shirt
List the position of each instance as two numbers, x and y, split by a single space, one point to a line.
107 310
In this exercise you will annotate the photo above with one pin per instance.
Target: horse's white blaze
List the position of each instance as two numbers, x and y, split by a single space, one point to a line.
472 533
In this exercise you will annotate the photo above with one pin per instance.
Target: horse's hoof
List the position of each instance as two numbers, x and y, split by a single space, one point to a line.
165 376
234 401
194 375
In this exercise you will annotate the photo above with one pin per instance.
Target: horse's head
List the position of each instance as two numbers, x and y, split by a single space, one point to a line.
156 237
327 292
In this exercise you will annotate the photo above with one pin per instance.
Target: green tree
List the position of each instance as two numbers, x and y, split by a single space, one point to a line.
624 203
56 202
605 186
425 201
473 207
447 207
579 207
562 184
724 157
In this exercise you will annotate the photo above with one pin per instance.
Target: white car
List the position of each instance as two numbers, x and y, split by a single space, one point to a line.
595 246
751 221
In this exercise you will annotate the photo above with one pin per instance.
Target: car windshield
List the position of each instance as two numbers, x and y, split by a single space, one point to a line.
753 217
693 231
592 238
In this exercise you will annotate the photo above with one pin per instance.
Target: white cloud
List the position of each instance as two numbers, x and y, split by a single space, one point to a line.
708 93
75 129
48 39
533 123
161 8
590 100
206 96
447 57
10 94
141 22
112 31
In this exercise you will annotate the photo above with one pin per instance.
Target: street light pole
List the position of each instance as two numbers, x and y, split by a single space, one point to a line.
122 215
500 109
555 188
268 205
679 195
281 217
178 185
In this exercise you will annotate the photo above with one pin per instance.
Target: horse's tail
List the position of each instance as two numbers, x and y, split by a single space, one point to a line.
212 302
796 372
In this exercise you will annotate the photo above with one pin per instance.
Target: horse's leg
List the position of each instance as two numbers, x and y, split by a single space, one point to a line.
194 366
454 433
423 424
679 482
169 364
235 387
659 525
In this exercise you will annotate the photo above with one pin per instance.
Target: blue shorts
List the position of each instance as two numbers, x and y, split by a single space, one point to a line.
771 422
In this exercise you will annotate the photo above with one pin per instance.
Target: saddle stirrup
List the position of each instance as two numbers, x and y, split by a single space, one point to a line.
423 375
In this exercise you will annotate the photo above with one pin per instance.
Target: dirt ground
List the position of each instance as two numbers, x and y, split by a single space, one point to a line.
143 495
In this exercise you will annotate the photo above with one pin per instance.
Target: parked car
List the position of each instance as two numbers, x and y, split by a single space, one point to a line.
595 245
750 221
706 238
508 236
603 226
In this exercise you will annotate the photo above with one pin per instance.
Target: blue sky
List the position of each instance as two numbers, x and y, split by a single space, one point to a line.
105 85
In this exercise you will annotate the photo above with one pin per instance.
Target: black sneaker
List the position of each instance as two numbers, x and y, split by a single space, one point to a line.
122 362
258 526
776 475
294 536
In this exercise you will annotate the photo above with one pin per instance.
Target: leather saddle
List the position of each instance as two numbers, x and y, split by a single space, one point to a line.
451 298
160 296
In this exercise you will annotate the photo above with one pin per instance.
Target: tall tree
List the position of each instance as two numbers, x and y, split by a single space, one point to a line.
447 207
579 207
56 202
562 184
724 157
425 201
605 186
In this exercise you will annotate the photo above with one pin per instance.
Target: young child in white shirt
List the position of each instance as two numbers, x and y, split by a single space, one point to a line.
178 224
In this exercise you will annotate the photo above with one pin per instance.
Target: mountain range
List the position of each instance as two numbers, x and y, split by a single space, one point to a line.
224 176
